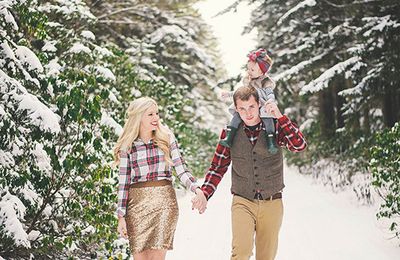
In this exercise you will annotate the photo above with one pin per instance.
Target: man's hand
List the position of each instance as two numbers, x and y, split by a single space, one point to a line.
199 202
272 109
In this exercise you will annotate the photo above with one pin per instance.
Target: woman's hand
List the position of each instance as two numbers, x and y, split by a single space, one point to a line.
199 202
122 231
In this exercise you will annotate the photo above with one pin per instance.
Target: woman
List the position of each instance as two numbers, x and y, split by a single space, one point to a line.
147 207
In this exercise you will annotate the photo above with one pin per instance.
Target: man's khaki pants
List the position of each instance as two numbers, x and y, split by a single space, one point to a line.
260 217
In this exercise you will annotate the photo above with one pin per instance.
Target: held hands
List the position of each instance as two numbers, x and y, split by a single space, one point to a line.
122 231
272 108
199 202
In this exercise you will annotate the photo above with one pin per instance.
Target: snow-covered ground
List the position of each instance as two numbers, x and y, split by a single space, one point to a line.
318 224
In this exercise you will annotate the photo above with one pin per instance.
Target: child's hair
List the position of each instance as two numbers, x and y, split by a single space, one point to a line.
262 58
130 132
244 93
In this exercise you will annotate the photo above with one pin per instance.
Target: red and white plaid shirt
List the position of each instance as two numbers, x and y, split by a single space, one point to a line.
146 162
288 134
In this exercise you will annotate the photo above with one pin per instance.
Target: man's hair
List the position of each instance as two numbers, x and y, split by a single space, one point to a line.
244 93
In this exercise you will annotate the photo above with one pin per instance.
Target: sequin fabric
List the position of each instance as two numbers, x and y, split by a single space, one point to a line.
152 215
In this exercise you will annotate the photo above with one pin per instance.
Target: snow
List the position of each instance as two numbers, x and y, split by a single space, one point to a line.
78 48
103 51
88 35
105 73
298 67
295 9
39 113
322 81
173 30
107 120
43 161
28 57
49 46
6 159
33 235
8 17
11 211
29 194
53 68
317 224
381 23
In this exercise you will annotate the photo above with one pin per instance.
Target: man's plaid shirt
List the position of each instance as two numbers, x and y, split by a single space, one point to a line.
145 162
288 134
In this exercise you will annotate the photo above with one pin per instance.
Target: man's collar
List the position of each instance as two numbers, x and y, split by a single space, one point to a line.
256 127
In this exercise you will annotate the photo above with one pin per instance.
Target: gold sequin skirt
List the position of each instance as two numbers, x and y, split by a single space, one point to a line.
151 218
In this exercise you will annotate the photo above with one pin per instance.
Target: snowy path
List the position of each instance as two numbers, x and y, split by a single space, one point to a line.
317 225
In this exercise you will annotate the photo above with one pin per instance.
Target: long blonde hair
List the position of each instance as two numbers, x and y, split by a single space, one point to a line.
130 133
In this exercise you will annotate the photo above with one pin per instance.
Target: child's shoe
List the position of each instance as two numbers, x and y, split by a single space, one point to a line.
230 134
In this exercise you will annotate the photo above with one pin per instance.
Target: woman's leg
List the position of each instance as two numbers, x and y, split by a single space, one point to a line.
151 254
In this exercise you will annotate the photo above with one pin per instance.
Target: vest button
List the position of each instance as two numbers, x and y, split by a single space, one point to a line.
254 152
254 160
257 183
256 175
255 167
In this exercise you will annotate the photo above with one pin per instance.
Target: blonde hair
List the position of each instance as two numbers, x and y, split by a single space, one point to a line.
130 133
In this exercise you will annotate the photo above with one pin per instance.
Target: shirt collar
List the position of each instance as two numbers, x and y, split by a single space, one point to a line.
257 128
139 141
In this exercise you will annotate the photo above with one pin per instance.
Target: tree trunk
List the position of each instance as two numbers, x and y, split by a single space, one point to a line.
338 85
391 106
327 113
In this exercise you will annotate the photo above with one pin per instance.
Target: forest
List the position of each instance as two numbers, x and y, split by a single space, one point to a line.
68 70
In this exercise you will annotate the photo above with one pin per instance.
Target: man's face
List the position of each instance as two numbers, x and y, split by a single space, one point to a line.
249 111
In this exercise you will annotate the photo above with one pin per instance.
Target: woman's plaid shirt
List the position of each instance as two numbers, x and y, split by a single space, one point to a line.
146 162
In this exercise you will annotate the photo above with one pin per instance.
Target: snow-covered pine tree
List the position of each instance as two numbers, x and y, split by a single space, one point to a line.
57 193
167 40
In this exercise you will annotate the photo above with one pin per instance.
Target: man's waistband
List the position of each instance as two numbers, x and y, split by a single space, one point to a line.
258 196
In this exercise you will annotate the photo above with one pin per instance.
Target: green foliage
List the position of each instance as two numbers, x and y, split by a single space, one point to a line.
385 167
60 175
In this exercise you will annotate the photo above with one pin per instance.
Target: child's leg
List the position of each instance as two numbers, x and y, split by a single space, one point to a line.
270 134
236 120
269 125
231 130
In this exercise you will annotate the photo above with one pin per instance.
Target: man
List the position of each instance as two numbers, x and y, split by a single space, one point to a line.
257 177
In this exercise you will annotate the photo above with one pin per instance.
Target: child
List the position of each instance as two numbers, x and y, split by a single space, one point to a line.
258 65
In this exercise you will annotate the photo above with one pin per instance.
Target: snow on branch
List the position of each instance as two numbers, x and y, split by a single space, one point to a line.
378 24
39 114
322 81
11 211
295 9
358 89
8 17
298 67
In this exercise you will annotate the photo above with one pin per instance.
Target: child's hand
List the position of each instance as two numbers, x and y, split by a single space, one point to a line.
272 108
224 94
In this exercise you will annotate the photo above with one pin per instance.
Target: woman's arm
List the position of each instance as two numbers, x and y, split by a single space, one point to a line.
184 175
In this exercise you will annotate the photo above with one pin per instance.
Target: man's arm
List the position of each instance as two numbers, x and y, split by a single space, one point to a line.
219 166
289 135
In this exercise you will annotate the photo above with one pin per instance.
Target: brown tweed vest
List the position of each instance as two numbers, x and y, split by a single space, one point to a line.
254 168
